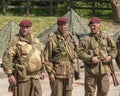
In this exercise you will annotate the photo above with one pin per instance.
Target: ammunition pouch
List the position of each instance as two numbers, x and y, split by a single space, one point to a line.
60 58
60 69
64 68
21 72
94 68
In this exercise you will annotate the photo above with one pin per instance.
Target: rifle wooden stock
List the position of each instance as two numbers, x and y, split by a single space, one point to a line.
15 91
115 81
15 87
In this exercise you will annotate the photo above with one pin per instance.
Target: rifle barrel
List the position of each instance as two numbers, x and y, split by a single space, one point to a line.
115 81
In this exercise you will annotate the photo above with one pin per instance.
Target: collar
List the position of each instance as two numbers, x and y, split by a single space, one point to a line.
97 37
27 39
62 36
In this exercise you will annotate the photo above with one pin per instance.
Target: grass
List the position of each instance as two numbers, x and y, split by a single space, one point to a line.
39 23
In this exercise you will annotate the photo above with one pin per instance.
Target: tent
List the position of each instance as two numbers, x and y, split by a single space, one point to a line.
6 33
77 26
115 34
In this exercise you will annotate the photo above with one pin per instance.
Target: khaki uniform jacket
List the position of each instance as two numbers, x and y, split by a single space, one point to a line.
25 56
92 45
59 53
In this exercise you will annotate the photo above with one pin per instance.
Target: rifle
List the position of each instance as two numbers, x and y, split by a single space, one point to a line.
115 81
112 73
14 90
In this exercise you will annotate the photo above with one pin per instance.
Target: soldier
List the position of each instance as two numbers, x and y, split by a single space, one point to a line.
118 48
96 50
23 62
59 54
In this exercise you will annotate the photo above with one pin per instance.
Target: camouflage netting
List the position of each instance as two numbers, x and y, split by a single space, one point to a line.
114 33
77 26
115 36
6 33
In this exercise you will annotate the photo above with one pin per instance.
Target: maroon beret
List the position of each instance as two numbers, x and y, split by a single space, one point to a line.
94 20
25 23
62 20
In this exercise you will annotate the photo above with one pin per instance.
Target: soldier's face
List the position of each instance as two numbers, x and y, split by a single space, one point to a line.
25 30
63 28
95 28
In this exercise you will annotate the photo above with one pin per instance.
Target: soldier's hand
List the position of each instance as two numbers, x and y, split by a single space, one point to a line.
106 59
52 78
42 76
12 80
95 59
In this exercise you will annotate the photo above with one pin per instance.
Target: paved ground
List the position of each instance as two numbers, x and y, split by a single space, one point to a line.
78 86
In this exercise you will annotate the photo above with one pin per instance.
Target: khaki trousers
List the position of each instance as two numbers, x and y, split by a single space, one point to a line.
29 88
102 83
61 87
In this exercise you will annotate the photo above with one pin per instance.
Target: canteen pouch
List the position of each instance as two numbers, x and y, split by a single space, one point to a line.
21 72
